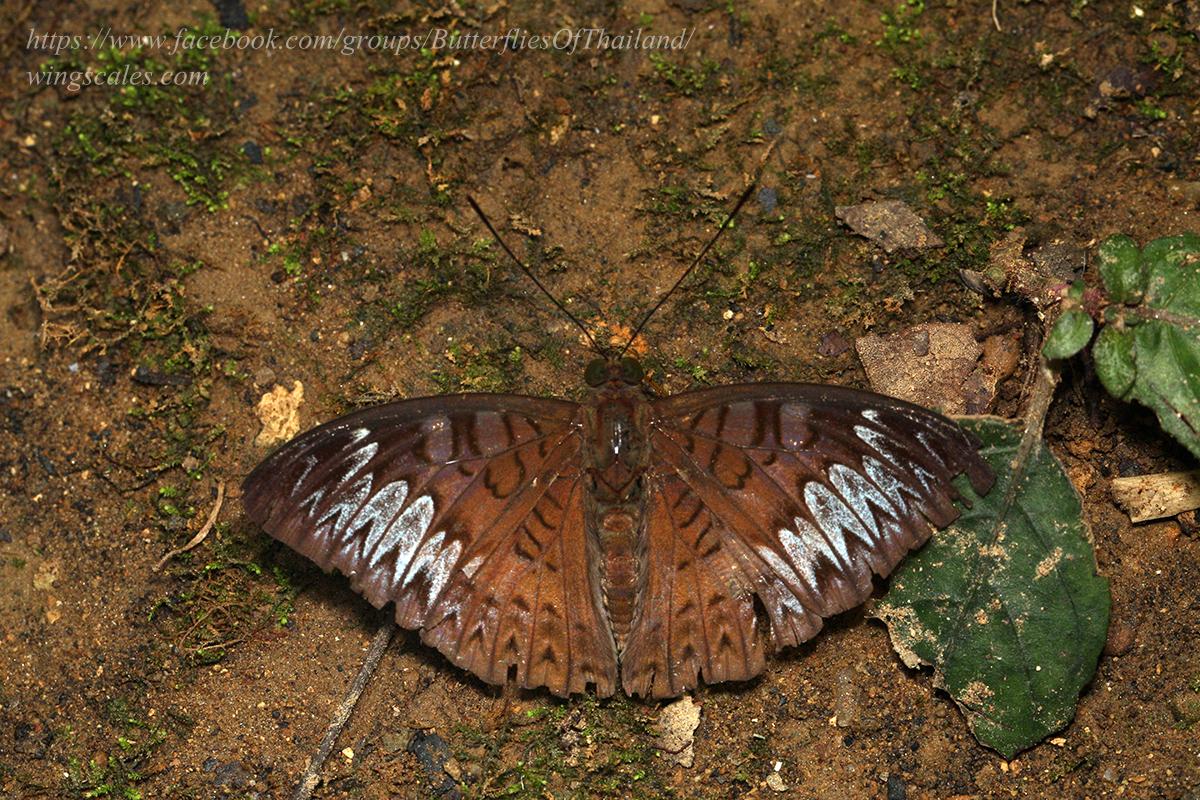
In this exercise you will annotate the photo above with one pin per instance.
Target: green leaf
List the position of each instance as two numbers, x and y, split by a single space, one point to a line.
1168 378
1173 273
1069 335
1121 269
1006 604
1159 341
1113 354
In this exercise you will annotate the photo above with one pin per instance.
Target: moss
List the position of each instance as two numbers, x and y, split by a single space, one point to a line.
224 593
122 289
686 80
306 12
580 748
150 125
469 369
135 735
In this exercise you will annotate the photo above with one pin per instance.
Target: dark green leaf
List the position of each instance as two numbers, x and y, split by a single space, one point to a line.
1168 378
1113 354
1159 341
1006 604
1069 335
1173 274
1121 269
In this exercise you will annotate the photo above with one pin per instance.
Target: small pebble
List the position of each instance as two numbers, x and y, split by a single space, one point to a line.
264 376
1120 639
253 152
833 343
776 783
232 14
396 742
432 753
768 198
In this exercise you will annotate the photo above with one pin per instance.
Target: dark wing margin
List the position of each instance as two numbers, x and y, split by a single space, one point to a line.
769 508
466 511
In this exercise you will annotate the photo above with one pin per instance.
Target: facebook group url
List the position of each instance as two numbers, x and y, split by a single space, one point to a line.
568 40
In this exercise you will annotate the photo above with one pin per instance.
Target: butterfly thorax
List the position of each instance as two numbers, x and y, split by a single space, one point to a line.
617 454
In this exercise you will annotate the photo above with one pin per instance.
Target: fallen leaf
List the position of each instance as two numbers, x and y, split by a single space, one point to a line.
932 364
1006 604
889 223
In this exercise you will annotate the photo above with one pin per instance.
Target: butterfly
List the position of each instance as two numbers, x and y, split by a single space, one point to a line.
627 542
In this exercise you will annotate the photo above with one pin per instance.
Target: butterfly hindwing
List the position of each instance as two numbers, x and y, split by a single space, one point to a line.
467 512
769 506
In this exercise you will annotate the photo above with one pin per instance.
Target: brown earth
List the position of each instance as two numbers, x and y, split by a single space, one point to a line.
171 253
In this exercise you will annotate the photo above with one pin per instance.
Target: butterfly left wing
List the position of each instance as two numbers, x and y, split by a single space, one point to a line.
769 506
467 512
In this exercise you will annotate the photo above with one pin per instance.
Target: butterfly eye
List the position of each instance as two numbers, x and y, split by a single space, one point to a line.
631 371
596 373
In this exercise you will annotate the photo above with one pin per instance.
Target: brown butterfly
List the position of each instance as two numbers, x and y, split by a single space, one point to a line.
644 541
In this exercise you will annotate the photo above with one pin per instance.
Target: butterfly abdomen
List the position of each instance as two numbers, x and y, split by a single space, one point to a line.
616 451
620 571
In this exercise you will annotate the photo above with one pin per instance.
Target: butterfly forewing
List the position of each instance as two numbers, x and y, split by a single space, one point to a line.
784 496
467 512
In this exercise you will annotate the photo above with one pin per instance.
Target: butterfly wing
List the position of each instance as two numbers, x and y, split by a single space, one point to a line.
465 511
769 506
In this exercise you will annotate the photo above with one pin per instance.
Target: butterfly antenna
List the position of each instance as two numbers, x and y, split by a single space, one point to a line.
487 223
725 224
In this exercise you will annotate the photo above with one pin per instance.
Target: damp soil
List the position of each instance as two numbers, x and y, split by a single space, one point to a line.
169 254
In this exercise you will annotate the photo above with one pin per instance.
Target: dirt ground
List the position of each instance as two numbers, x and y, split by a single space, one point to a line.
171 253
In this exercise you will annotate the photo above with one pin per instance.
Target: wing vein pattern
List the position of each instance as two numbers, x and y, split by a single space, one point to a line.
779 501
466 511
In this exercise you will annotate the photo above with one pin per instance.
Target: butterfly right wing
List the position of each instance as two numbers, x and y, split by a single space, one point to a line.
769 506
467 512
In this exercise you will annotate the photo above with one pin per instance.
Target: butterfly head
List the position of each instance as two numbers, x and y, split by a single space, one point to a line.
622 371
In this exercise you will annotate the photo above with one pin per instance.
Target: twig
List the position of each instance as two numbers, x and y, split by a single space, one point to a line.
312 774
200 534
996 16
1165 494
121 261
1045 381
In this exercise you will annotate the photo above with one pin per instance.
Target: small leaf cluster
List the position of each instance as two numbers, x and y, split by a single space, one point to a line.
1148 348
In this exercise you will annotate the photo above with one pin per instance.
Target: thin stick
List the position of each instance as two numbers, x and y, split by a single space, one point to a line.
1045 382
312 774
200 534
1164 494
996 16
529 273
